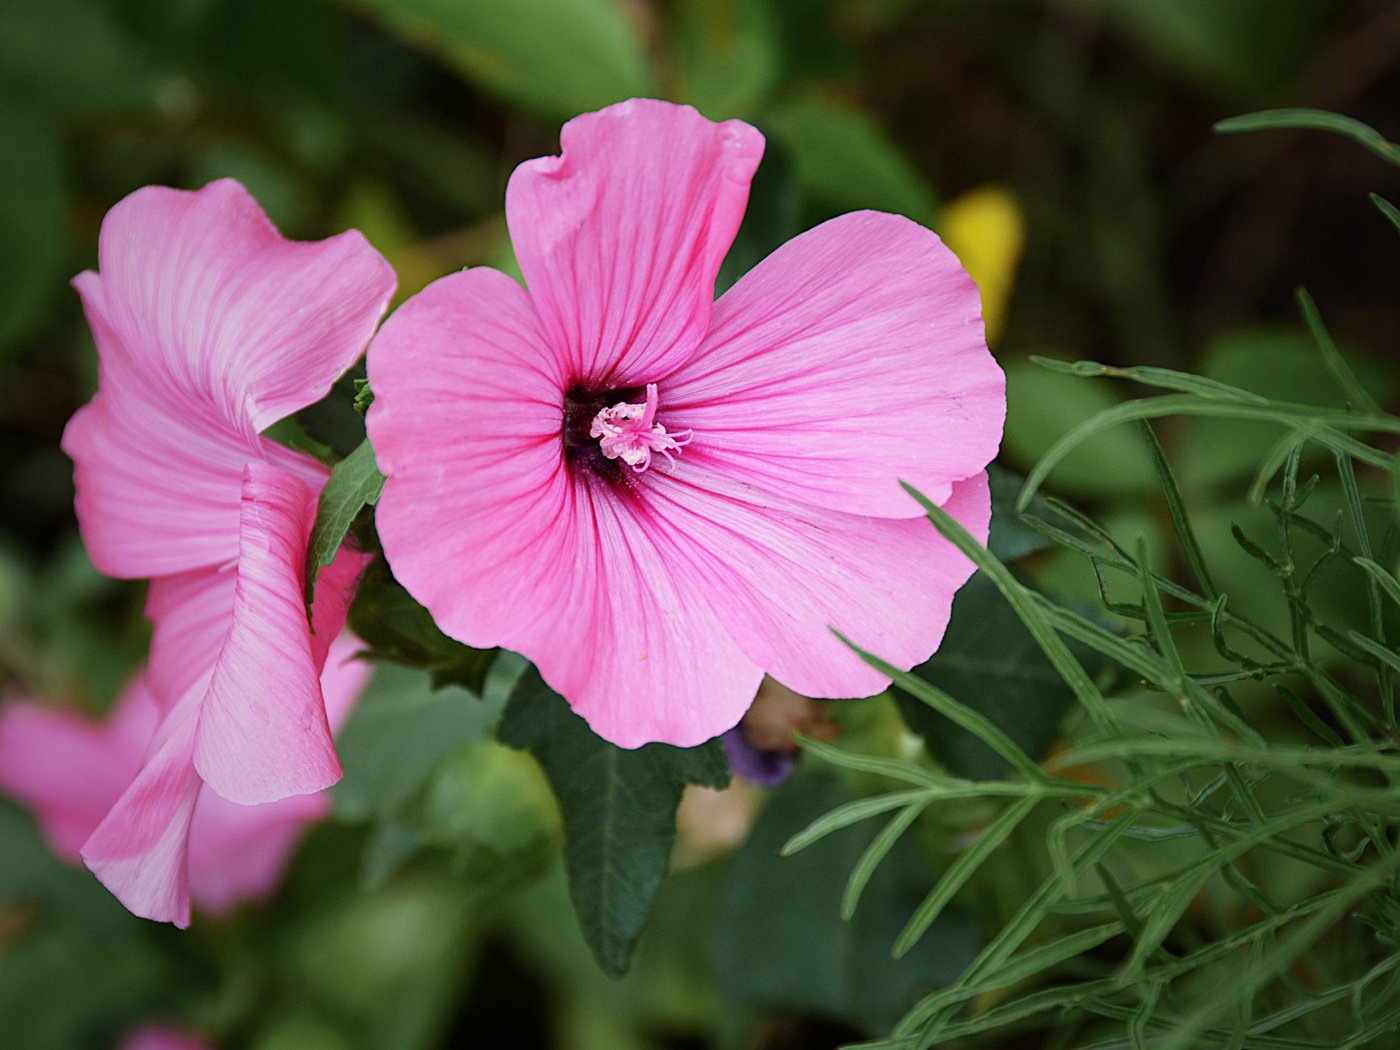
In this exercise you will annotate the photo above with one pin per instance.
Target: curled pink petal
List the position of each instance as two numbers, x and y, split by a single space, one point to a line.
213 311
209 327
139 848
620 237
163 839
262 732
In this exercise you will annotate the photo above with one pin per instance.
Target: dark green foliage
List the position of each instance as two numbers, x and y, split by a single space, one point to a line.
398 629
781 943
619 810
33 196
990 662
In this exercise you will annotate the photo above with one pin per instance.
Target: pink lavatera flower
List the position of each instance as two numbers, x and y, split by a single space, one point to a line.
658 498
210 327
70 770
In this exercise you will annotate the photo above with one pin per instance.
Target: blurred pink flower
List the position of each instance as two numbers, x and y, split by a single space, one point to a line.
210 327
161 1037
70 770
526 504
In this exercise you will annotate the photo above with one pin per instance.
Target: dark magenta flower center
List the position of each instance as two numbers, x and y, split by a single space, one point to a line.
611 429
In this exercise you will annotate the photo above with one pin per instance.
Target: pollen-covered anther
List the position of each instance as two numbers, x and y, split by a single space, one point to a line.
630 433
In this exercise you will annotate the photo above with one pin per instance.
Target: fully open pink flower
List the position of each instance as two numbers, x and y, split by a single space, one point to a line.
70 770
210 327
657 498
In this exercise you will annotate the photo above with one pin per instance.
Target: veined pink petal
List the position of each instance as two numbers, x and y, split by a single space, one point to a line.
160 1037
639 654
157 484
344 677
190 613
240 853
620 237
154 495
781 575
139 848
211 309
262 730
849 360
466 425
209 327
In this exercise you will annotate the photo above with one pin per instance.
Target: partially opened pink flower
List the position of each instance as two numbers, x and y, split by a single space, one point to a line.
70 770
210 327
657 498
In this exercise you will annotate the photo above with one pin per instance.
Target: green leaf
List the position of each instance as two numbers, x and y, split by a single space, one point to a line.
355 482
960 871
556 57
729 55
1238 47
990 662
1294 119
397 629
1010 537
843 161
400 732
76 969
1044 405
70 55
1389 210
780 943
33 196
619 812
1277 364
1356 391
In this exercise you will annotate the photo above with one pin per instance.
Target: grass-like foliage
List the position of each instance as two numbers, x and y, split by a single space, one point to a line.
1214 856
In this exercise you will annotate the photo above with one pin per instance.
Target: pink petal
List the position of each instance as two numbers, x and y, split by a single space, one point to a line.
850 359
483 523
190 613
781 575
213 310
239 853
465 424
639 653
209 328
154 495
621 235
162 1038
262 731
139 849
42 747
157 483
343 678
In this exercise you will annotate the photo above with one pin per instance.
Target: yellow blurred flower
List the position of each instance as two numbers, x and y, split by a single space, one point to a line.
986 229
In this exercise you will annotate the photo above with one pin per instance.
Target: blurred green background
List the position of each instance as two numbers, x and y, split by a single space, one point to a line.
1063 147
